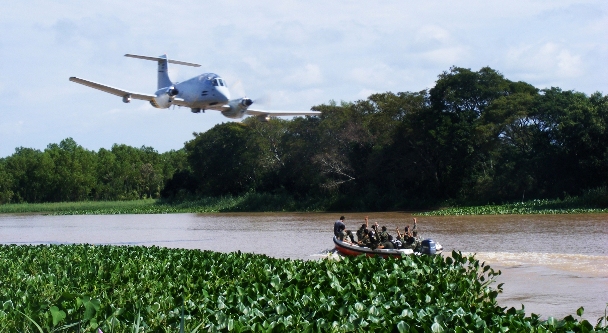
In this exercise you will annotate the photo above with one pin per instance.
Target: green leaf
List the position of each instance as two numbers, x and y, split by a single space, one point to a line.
403 327
359 307
58 315
436 328
281 308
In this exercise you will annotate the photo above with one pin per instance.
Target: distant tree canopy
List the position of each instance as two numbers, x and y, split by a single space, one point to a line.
475 137
68 172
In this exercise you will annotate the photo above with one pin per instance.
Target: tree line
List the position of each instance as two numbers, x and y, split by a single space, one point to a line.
69 172
475 137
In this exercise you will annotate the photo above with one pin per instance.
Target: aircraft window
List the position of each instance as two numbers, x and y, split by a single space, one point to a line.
215 83
221 82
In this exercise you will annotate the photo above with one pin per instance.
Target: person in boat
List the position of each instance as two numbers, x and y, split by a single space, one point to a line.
350 238
415 227
386 239
365 239
417 240
402 238
396 242
413 242
383 235
408 242
361 232
341 235
339 226
374 242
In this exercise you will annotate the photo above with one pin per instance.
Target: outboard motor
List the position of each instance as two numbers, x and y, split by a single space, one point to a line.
427 246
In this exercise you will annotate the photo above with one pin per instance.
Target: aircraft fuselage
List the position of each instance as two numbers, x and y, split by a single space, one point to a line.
204 91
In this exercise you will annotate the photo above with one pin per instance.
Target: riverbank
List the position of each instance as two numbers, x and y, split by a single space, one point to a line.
251 202
260 202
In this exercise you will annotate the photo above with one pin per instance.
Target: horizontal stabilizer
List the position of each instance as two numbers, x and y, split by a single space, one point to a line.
161 58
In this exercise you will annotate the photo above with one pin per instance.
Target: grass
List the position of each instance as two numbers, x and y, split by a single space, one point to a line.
592 201
251 202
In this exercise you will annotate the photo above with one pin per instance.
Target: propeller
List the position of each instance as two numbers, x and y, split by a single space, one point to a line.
239 90
172 91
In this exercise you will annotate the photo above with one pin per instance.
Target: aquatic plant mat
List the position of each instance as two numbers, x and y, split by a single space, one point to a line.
80 288
569 206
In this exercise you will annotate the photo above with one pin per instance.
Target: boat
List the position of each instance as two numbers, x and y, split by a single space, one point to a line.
346 249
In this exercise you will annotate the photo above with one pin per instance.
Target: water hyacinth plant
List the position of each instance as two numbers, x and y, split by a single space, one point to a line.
571 206
86 288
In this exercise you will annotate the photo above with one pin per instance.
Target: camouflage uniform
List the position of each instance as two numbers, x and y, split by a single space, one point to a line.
409 243
360 233
365 241
383 236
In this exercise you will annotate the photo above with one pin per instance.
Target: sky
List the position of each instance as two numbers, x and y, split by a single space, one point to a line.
292 54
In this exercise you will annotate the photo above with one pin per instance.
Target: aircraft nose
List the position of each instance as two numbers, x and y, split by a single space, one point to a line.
223 93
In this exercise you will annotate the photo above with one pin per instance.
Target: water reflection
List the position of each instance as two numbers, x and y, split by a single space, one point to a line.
553 264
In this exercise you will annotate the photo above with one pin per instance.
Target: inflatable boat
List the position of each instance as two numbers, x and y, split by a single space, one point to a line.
428 246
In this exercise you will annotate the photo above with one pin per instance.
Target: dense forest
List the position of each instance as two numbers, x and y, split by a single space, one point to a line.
475 137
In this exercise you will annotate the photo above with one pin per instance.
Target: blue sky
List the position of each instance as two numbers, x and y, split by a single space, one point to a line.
297 54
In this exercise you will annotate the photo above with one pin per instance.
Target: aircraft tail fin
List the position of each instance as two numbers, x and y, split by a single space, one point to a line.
163 71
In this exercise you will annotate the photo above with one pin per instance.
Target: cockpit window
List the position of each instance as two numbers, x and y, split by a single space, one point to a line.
219 82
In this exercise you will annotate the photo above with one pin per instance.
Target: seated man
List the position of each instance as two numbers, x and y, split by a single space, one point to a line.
383 235
364 239
346 237
388 244
361 232
396 242
374 241
409 243
339 226
417 240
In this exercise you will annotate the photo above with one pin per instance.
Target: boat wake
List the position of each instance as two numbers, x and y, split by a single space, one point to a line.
593 265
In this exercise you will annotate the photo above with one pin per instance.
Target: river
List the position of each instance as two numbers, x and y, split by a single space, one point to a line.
552 264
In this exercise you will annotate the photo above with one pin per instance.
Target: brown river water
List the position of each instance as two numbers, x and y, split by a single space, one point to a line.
552 264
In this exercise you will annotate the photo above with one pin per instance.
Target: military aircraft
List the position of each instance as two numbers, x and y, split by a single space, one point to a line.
203 92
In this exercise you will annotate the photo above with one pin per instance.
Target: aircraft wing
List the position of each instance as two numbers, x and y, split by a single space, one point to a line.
281 113
112 90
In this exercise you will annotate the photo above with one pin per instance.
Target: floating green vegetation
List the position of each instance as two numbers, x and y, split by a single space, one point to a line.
49 288
529 207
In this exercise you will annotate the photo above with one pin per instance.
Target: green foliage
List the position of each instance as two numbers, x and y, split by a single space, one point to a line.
473 138
68 172
120 289
250 202
594 201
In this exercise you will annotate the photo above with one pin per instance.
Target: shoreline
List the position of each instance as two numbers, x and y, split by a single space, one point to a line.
255 203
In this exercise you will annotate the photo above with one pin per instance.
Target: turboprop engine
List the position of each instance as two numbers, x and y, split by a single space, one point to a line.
164 97
237 108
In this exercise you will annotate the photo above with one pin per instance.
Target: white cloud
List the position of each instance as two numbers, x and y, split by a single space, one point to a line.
538 60
377 74
300 53
309 75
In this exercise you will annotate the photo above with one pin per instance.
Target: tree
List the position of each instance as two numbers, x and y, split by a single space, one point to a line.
74 171
6 183
31 172
224 160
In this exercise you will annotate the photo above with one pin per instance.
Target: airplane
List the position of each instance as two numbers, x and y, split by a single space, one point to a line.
207 91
